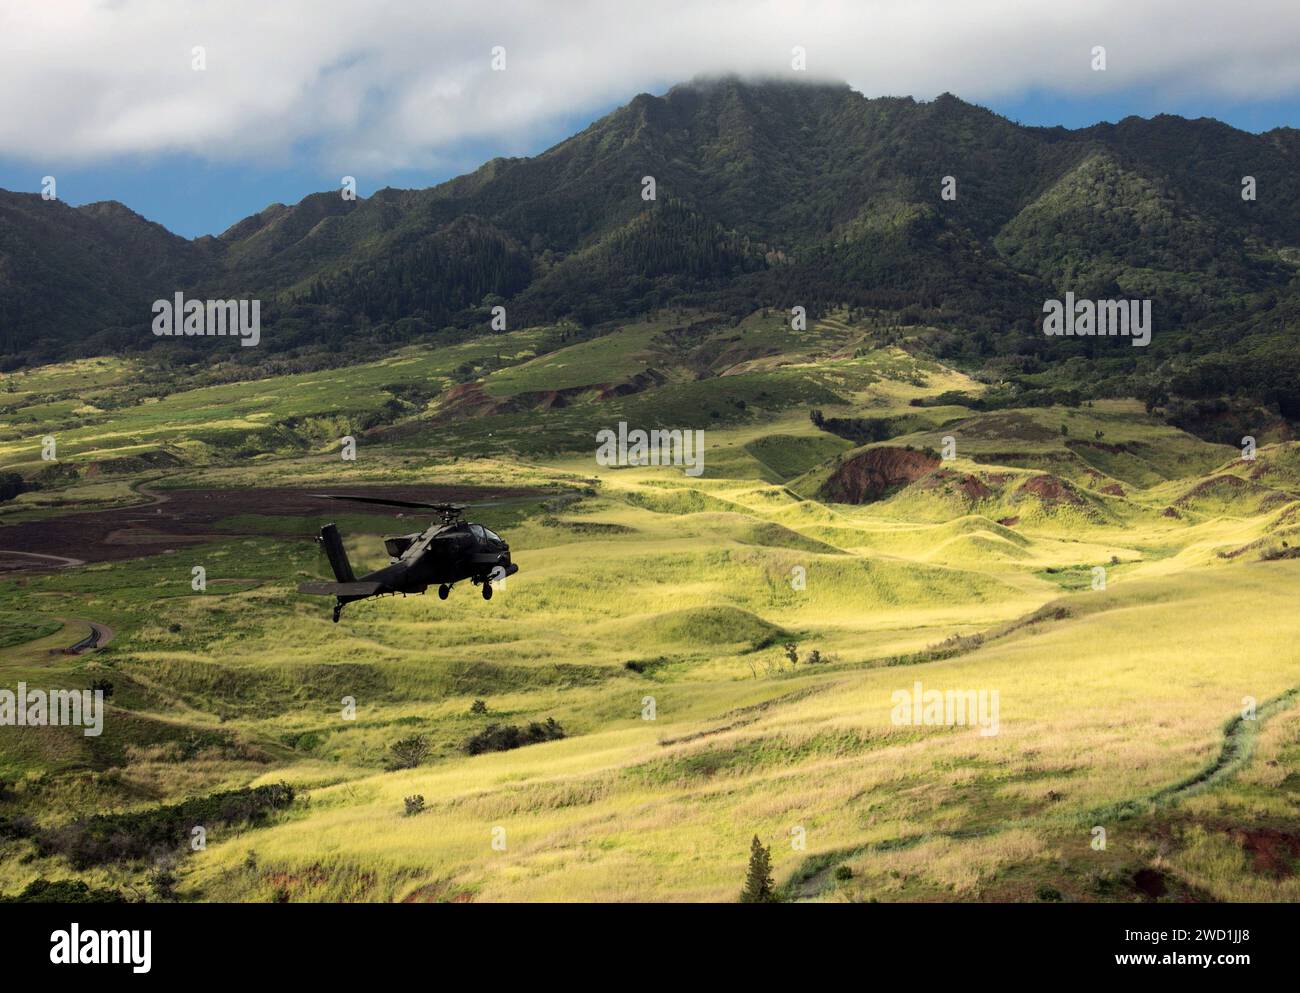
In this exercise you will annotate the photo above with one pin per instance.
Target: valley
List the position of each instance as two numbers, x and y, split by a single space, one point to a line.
718 651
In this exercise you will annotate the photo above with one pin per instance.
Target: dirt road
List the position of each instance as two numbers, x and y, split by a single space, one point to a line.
174 518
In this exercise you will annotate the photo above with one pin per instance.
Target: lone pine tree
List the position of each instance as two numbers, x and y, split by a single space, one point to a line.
758 883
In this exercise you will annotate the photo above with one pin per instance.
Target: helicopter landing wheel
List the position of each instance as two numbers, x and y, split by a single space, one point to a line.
487 589
336 614
443 590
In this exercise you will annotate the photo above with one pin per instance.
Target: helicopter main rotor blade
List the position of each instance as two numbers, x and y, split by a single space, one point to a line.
412 504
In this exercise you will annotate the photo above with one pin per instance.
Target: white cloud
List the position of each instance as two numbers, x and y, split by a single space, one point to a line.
395 84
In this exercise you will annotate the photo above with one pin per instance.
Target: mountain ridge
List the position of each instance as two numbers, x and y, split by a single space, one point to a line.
769 193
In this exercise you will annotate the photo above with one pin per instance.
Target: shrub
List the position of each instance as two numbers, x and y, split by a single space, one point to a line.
11 484
1272 554
408 752
843 873
17 826
414 804
63 891
478 707
103 838
504 737
162 883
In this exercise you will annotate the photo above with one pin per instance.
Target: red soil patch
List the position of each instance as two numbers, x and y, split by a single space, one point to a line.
1273 853
467 400
439 892
970 485
1170 512
1114 489
973 489
471 400
874 473
1051 489
1009 522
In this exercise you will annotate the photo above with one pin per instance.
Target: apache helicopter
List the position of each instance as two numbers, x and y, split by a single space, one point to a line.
449 551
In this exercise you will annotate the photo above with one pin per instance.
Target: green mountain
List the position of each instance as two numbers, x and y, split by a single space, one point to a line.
768 194
66 274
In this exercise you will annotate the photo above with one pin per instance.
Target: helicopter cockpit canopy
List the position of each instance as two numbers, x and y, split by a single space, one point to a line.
483 534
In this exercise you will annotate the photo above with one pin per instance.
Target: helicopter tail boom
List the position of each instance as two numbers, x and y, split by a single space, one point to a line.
332 542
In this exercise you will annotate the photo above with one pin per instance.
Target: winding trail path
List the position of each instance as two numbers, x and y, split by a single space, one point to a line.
100 635
63 561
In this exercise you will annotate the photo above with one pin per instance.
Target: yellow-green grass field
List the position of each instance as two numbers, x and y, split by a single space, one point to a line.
1125 628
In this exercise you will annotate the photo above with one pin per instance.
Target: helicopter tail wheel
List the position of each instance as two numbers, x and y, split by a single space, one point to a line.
487 589
443 590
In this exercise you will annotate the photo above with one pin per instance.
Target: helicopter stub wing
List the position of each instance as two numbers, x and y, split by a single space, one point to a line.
341 589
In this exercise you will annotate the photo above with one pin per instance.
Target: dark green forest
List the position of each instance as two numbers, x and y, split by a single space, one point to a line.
769 194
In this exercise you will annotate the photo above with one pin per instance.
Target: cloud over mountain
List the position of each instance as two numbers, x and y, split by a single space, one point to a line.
394 84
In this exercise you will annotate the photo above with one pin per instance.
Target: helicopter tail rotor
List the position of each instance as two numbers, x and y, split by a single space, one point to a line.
332 543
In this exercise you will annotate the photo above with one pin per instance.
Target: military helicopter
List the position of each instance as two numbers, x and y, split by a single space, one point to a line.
447 552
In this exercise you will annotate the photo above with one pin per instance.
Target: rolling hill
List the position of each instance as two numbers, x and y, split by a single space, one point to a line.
682 662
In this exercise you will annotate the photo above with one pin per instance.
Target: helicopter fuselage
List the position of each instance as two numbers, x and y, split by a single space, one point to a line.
444 554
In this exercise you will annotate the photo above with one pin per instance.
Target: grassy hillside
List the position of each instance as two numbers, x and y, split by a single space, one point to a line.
720 653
